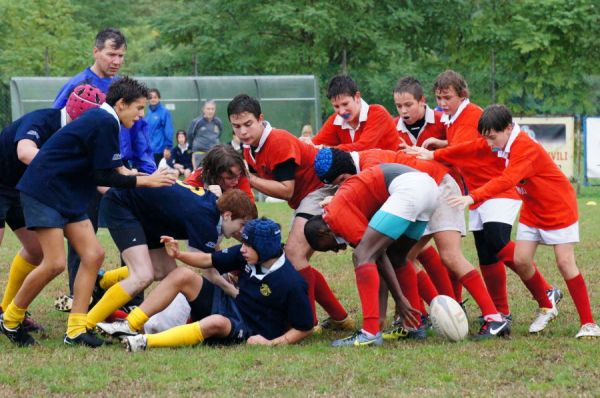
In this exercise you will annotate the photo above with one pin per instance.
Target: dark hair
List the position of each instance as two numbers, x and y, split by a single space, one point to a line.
450 78
126 88
220 159
495 117
314 230
341 85
409 85
238 203
330 163
244 103
180 132
154 90
110 34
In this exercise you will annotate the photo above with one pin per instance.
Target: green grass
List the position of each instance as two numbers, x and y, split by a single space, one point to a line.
554 364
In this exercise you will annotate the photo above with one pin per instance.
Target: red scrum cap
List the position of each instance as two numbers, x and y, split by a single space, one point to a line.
82 98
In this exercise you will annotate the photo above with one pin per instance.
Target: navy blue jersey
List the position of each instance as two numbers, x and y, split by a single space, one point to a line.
270 302
61 174
180 211
36 126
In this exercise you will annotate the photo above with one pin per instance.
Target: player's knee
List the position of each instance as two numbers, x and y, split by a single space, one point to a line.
566 265
181 276
142 278
451 258
218 326
93 256
55 267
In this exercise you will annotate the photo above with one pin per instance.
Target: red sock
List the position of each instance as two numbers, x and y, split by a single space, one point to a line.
426 289
407 279
326 299
367 281
494 276
457 288
436 270
579 294
473 282
507 255
309 277
535 284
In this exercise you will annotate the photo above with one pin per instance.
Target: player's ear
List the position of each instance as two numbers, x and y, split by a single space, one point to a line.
227 216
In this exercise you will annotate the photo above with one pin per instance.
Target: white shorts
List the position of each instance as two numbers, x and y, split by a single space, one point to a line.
494 210
310 203
413 196
568 234
177 313
446 217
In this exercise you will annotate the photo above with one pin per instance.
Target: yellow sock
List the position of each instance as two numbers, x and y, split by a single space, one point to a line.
19 269
13 316
189 334
113 276
137 318
113 299
76 324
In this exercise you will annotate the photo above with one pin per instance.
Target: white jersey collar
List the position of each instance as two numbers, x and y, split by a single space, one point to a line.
111 110
449 120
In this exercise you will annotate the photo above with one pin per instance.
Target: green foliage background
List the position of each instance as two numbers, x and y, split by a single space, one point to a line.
545 51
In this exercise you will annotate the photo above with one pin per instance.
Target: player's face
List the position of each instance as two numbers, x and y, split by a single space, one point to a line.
497 140
181 139
247 127
110 59
409 108
347 107
209 111
154 99
341 178
249 254
232 228
328 242
230 179
449 100
130 113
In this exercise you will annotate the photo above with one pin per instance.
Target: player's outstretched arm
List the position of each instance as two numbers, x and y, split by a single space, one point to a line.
160 178
277 189
195 259
292 336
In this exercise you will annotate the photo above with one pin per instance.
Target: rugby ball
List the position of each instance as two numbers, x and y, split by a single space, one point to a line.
448 318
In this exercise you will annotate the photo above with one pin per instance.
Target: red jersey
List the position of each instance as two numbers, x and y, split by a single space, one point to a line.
281 146
376 130
354 203
549 200
374 157
195 180
433 127
466 151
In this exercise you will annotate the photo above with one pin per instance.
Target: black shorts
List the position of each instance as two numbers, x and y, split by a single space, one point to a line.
11 211
212 300
125 229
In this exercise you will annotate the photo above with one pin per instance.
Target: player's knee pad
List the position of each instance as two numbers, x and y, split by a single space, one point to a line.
485 255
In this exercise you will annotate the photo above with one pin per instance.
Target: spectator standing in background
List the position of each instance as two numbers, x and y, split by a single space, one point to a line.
160 126
204 132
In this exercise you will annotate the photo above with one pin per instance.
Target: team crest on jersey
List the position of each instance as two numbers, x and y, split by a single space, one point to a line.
116 156
265 290
212 245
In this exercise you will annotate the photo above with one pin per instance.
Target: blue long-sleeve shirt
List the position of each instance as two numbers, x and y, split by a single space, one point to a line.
134 142
160 128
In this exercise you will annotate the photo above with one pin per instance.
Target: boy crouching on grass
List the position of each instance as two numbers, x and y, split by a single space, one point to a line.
272 306
549 214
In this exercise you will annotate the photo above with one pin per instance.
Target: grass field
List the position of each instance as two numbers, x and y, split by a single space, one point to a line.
553 364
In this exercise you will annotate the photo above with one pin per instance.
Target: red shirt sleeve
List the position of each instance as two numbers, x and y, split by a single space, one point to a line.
520 166
378 131
328 135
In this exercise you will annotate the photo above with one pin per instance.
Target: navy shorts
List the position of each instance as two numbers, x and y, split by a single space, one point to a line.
124 227
212 300
11 211
38 215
